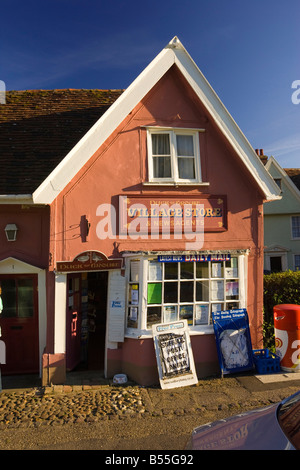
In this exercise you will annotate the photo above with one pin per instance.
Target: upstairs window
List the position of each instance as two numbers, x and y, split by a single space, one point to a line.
174 156
295 227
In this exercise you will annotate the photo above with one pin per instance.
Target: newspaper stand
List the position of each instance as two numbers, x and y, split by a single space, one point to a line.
231 328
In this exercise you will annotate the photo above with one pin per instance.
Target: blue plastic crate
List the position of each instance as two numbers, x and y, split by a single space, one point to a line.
265 361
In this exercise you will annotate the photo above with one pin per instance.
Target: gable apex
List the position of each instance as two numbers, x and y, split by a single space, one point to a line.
173 53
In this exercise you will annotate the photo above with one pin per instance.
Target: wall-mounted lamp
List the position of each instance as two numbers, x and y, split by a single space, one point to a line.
11 232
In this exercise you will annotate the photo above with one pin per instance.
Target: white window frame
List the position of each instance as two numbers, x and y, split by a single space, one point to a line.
141 329
173 132
292 237
295 266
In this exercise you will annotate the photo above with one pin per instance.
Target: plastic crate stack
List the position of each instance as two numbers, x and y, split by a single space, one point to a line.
265 361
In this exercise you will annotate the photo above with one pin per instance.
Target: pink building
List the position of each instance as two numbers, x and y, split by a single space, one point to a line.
101 228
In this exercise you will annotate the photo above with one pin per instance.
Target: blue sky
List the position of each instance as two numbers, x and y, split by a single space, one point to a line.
247 50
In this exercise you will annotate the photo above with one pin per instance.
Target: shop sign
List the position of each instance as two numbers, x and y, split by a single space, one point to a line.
192 258
173 213
89 261
231 328
174 355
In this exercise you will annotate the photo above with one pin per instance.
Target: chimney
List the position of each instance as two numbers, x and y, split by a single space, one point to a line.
260 154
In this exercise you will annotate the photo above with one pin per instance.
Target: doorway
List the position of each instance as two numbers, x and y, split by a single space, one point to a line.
97 303
86 320
275 264
19 323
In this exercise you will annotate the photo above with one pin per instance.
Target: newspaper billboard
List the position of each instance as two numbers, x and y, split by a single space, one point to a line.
174 355
233 340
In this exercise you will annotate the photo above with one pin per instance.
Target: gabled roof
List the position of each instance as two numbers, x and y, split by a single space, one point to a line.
173 53
284 175
294 174
38 128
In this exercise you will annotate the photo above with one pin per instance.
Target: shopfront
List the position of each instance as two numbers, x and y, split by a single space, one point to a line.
154 216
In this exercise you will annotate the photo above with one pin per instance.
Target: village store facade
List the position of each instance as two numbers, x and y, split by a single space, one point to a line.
156 215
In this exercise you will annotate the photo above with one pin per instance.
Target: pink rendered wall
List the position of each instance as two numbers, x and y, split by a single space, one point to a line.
32 243
120 167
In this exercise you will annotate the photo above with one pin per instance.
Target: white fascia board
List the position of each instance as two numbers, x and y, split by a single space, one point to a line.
287 180
226 123
102 129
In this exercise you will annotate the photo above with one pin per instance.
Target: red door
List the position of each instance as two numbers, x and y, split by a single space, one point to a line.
73 320
19 323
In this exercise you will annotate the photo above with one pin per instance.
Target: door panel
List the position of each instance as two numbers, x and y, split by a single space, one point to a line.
19 323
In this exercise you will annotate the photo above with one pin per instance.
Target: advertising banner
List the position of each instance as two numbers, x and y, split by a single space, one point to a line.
233 340
174 355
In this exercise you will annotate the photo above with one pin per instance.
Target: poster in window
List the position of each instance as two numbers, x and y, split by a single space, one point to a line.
134 294
133 314
154 271
186 313
174 355
201 314
170 313
232 289
216 269
154 293
217 290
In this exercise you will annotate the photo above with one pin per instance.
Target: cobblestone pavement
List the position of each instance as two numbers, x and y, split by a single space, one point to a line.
90 403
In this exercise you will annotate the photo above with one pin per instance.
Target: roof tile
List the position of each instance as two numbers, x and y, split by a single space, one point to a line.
39 127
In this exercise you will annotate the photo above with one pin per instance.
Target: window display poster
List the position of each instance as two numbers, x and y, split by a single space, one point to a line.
233 340
174 355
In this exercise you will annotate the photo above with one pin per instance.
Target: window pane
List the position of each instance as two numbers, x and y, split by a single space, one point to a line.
186 313
153 316
154 293
132 321
25 298
170 313
187 291
202 314
186 168
202 270
296 227
217 290
171 270
217 269
186 270
161 167
232 290
9 298
170 292
160 144
232 305
154 271
231 268
202 291
216 307
185 145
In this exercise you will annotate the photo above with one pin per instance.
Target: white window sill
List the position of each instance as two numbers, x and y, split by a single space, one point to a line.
174 183
147 334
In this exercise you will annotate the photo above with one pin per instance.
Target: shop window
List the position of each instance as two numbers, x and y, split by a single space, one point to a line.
191 290
173 155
